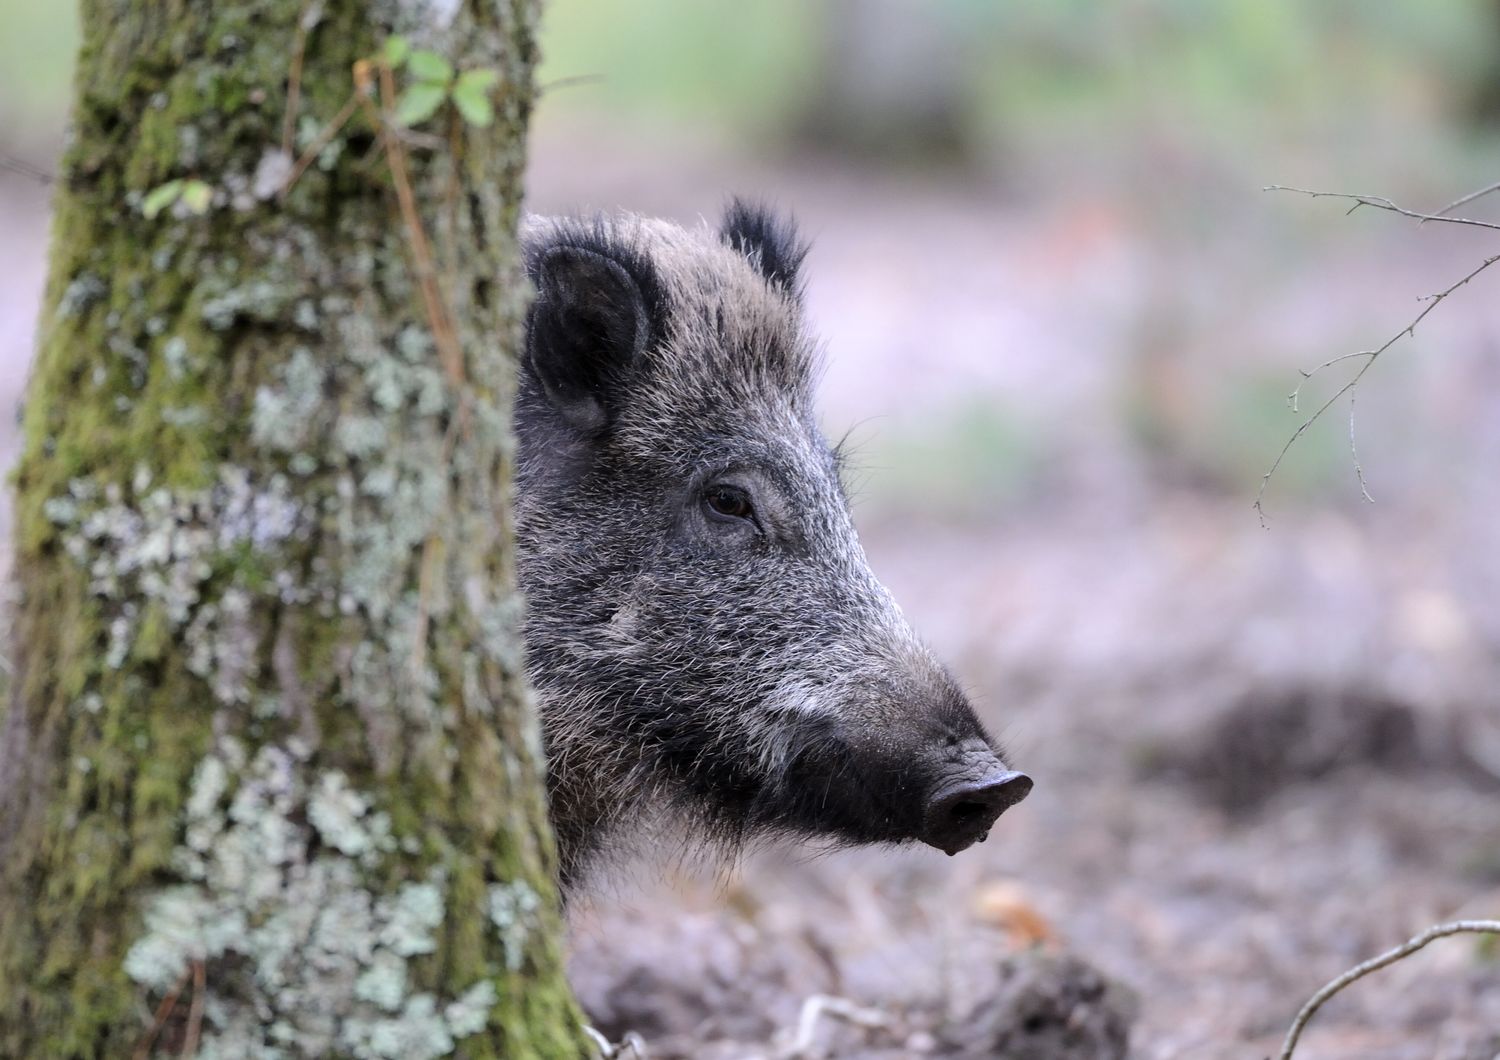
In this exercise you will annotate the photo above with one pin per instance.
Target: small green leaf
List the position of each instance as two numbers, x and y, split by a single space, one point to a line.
474 105
196 196
420 102
396 49
429 66
476 81
160 197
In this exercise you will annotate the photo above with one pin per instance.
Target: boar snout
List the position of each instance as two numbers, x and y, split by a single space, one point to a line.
961 811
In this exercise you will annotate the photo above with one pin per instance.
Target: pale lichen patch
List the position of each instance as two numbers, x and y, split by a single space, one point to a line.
500 620
335 811
261 299
420 1032
412 920
383 983
187 416
469 1014
284 416
174 354
182 926
513 911
271 173
152 553
83 291
284 880
360 436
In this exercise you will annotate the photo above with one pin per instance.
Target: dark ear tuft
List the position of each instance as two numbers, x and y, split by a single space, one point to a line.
589 324
770 242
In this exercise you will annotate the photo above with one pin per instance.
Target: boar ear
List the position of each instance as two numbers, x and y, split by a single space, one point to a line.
588 325
770 242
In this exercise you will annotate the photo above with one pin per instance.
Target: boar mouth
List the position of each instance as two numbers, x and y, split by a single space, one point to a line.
961 814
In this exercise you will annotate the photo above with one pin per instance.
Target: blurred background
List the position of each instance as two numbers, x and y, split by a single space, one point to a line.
1062 320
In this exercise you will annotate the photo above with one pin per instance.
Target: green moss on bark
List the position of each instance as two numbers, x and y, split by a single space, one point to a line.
267 717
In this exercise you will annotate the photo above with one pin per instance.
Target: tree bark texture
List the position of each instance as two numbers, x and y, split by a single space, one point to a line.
270 781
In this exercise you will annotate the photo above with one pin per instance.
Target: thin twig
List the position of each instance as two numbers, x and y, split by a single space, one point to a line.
574 81
452 192
1374 964
321 141
159 1019
1359 471
195 1012
312 11
1382 203
601 1043
1456 203
1371 356
25 169
815 1008
1294 398
637 1046
449 352
609 1051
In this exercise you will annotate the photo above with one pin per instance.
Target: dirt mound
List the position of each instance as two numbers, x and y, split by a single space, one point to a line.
1269 740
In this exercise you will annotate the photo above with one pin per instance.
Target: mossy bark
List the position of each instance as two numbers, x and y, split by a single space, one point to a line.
268 746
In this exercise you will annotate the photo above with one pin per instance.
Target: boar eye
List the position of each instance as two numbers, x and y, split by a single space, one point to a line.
728 502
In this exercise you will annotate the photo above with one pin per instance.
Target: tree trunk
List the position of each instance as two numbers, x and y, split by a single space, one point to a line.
270 783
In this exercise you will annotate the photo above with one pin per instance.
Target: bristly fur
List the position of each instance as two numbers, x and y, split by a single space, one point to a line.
771 242
706 298
739 675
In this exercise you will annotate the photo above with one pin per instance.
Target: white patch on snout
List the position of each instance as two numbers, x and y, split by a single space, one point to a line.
796 696
781 735
624 623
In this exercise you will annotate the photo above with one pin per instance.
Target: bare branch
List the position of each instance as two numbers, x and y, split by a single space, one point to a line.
1349 387
312 13
572 81
1382 203
601 1043
1359 471
1307 374
25 169
1374 964
609 1051
814 1009
195 1012
450 353
324 137
1302 429
163 1011
1456 203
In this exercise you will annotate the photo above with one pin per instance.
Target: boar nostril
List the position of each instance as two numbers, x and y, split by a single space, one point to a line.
961 815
